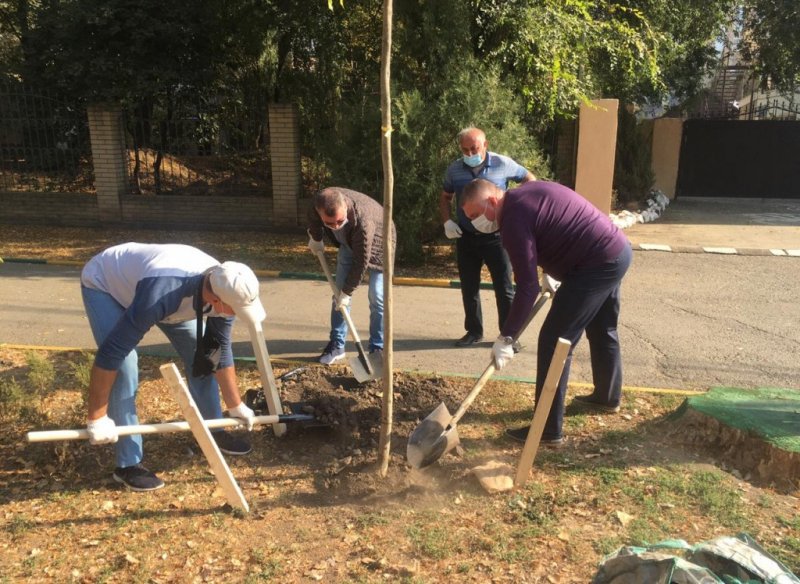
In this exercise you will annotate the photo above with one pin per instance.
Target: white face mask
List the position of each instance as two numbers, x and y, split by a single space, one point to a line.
340 226
482 224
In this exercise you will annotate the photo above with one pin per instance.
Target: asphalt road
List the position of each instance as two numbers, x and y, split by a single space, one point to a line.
689 321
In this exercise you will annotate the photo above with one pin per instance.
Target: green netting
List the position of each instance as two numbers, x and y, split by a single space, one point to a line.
770 412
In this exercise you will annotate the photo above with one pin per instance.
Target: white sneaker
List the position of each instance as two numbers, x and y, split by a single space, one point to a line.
331 354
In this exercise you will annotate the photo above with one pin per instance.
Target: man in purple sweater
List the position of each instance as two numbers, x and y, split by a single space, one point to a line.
548 225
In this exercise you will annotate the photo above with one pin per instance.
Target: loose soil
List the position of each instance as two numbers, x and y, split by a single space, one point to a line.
321 512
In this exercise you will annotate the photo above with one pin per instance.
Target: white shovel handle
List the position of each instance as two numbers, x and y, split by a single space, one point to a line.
164 428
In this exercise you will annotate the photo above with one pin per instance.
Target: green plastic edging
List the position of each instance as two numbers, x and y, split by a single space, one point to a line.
770 412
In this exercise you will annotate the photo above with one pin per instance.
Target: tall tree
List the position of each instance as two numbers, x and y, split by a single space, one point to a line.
771 41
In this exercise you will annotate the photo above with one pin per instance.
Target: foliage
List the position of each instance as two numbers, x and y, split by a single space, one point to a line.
772 43
633 173
439 89
558 54
11 396
41 372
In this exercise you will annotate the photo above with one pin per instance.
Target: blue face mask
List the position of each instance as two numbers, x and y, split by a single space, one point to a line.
474 160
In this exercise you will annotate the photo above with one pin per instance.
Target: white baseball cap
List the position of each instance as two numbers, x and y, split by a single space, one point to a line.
237 286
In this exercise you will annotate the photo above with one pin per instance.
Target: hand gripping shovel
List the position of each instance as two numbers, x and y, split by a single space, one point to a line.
365 367
437 434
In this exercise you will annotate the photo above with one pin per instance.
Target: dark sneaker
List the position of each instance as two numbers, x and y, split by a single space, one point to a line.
137 478
588 402
377 351
468 339
521 435
331 354
230 444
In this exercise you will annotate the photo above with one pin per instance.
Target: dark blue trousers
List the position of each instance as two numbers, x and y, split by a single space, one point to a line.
472 251
588 300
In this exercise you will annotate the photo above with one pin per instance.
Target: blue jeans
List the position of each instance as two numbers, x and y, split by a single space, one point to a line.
344 262
104 312
589 300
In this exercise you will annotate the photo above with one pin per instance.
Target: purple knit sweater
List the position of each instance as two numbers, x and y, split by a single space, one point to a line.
546 224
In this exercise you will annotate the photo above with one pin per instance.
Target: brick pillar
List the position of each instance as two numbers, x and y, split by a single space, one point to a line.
284 140
110 160
597 145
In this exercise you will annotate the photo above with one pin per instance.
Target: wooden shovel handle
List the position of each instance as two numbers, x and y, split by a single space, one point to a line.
489 371
362 356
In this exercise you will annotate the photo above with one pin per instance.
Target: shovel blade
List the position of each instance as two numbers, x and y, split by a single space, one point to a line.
361 373
431 439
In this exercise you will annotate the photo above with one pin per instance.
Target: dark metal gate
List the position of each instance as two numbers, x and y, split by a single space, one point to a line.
740 158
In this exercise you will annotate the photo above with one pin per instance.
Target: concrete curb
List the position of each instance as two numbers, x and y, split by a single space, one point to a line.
398 280
742 251
443 283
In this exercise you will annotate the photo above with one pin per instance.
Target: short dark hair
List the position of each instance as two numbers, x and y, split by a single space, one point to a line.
475 188
329 200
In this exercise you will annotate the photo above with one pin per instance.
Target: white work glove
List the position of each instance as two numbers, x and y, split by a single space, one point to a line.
502 351
452 230
102 431
314 245
244 413
342 301
550 284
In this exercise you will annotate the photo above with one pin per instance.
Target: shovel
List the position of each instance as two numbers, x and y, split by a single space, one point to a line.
437 434
365 367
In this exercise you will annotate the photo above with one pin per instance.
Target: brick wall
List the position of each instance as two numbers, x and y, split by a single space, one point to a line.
114 206
64 209
188 211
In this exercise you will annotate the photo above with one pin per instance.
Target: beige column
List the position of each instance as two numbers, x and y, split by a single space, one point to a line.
667 134
109 158
285 153
597 142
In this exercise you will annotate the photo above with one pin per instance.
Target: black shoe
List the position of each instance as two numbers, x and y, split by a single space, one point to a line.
230 444
588 402
521 435
468 339
137 478
377 351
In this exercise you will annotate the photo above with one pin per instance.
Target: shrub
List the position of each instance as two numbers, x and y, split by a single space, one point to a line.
633 173
41 373
11 397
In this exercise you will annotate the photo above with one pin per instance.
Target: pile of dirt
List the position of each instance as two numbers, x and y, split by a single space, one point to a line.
352 411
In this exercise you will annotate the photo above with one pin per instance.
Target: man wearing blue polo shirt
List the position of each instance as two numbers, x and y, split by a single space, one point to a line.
473 248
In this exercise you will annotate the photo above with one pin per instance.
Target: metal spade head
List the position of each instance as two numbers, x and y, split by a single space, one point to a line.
431 439
361 373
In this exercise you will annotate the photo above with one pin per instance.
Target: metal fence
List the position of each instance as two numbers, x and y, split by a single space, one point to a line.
186 146
768 110
44 142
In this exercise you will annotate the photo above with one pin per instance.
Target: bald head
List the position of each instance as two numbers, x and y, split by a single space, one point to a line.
478 190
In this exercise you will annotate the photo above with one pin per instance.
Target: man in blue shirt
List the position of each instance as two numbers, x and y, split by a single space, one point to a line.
129 288
474 249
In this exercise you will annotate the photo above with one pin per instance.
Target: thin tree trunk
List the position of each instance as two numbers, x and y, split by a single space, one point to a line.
385 445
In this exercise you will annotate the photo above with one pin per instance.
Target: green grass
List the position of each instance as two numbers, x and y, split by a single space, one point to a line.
431 539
